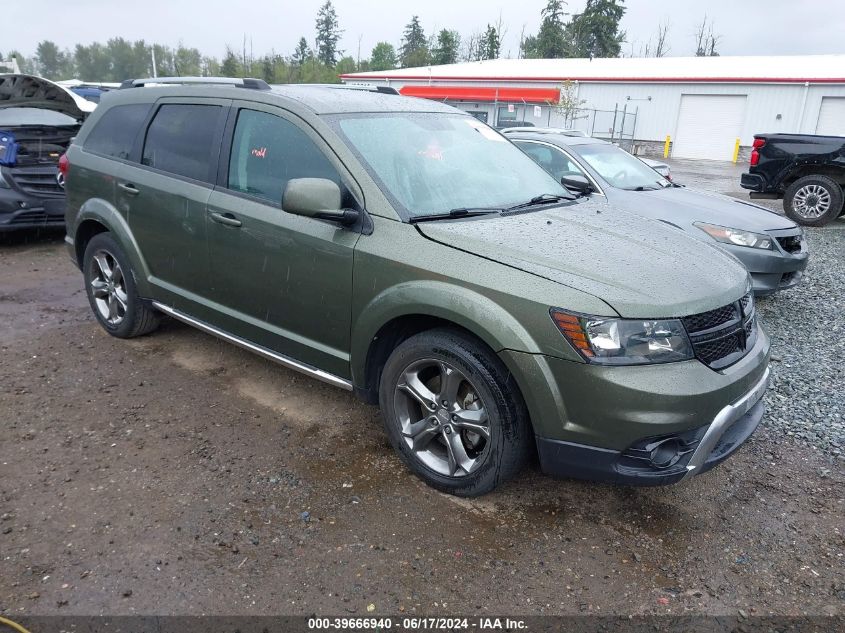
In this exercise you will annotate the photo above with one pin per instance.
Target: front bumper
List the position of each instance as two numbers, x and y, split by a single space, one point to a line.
21 211
594 421
665 459
772 270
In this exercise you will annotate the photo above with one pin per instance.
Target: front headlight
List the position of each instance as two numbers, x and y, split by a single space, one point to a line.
610 341
736 236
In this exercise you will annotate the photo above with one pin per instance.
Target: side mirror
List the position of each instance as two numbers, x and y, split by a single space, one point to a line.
577 183
316 198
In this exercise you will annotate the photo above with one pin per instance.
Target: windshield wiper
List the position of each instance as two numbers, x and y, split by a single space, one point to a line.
461 212
545 198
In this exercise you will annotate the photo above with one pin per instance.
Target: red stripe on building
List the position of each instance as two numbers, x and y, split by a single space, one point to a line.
481 93
720 80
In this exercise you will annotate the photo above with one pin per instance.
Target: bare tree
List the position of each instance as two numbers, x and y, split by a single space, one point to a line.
706 39
661 46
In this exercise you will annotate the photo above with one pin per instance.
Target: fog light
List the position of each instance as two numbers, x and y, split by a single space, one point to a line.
666 453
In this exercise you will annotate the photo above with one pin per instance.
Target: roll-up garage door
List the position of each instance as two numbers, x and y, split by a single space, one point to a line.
832 117
708 126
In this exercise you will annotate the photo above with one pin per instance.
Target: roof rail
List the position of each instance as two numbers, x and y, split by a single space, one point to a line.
252 84
387 90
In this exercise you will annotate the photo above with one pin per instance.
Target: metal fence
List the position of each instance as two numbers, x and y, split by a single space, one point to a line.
617 126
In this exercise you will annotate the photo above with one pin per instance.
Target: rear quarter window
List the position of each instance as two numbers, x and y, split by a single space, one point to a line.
115 133
181 140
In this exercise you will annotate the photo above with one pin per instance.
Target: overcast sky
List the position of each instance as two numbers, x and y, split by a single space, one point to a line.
746 27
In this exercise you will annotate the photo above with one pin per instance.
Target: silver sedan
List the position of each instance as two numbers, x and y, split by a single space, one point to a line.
771 246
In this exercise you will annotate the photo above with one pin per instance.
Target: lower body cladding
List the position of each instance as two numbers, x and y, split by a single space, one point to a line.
643 425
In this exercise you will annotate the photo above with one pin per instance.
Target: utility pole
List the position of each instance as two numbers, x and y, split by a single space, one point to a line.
153 52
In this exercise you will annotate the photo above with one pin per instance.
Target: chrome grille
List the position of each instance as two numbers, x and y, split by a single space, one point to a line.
39 181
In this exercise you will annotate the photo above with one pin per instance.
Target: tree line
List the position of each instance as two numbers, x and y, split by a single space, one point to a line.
595 32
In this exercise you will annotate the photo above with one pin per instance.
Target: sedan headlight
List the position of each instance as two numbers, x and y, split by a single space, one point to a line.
736 236
610 341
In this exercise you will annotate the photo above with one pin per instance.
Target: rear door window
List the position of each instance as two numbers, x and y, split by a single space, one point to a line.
268 151
116 131
182 139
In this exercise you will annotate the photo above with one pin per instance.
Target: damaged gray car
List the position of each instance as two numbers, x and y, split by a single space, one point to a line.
38 119
771 246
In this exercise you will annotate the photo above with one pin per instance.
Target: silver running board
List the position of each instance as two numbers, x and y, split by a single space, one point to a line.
286 361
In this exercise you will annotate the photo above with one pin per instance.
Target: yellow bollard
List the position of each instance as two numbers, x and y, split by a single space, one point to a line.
666 146
736 151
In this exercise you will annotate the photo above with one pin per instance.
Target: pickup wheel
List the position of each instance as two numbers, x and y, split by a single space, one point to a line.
813 200
454 413
110 286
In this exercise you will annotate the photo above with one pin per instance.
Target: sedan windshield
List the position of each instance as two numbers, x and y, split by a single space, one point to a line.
620 169
436 163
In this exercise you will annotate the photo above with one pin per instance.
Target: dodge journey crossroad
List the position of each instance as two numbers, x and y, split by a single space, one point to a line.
402 249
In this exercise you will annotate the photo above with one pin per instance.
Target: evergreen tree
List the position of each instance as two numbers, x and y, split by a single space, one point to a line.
414 50
383 57
328 34
231 66
446 48
490 44
551 41
52 62
595 32
301 53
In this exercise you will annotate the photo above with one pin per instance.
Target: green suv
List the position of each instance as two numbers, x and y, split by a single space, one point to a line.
402 249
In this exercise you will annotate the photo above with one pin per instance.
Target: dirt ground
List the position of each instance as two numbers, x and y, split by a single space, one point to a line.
177 474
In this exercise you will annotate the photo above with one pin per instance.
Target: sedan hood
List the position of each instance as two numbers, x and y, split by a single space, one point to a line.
683 206
28 91
641 268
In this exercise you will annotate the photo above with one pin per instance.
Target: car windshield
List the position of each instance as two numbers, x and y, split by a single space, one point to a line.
620 169
33 116
435 163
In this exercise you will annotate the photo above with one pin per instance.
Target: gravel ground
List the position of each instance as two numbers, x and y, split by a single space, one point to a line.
807 324
177 474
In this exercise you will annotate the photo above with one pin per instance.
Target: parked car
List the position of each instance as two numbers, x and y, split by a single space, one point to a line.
806 171
402 249
659 166
507 125
37 120
770 246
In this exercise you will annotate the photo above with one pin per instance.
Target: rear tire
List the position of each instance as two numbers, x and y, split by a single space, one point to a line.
454 413
112 293
813 200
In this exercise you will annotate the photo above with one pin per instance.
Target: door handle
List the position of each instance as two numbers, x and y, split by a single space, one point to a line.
225 218
129 189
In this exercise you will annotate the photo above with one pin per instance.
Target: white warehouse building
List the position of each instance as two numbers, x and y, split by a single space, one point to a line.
703 104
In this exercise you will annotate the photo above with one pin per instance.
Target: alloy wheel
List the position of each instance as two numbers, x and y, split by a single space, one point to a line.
811 201
442 417
108 287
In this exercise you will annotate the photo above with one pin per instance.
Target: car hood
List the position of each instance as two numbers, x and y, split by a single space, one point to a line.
28 91
683 206
641 268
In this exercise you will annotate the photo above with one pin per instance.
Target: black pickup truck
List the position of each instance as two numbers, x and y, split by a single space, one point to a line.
807 171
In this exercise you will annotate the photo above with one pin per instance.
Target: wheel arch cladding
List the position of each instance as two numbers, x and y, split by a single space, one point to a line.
96 213
407 309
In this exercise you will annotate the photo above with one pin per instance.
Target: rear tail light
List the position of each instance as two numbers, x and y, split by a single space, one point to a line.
755 155
64 167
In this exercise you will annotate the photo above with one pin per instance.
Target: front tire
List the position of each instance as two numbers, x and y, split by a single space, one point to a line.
813 200
454 413
111 290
